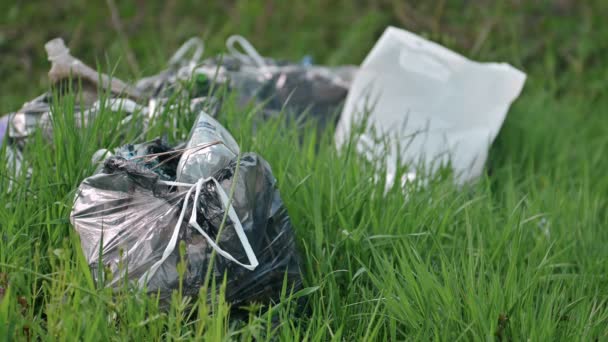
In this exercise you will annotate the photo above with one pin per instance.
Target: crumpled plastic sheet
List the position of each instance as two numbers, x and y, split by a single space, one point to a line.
37 114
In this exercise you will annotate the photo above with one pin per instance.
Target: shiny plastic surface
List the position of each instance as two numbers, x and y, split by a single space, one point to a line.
127 215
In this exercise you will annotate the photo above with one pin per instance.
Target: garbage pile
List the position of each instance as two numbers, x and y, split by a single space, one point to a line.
297 90
145 200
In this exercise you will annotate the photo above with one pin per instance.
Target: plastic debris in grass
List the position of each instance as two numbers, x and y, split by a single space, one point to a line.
92 94
176 78
436 106
66 68
68 74
301 90
148 199
163 159
38 114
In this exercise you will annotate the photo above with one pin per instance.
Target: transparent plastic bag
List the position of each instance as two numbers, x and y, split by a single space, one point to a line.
438 105
133 213
129 212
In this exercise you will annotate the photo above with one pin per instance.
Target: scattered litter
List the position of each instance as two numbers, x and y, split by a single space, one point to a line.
65 67
149 198
67 73
146 199
297 89
440 106
277 86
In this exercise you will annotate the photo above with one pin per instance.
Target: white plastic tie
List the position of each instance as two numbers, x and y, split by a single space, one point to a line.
238 227
250 52
188 45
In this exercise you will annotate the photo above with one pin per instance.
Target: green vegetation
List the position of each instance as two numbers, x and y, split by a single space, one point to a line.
519 255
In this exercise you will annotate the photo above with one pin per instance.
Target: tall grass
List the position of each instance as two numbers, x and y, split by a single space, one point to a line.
519 255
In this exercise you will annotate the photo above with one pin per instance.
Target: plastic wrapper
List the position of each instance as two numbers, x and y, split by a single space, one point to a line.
436 106
133 214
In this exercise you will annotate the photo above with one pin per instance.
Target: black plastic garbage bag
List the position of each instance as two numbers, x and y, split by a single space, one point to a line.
298 90
313 92
126 212
156 155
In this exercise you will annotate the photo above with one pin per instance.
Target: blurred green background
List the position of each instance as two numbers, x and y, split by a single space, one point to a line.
565 42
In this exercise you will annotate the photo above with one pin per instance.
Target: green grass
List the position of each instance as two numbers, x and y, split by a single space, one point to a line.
519 255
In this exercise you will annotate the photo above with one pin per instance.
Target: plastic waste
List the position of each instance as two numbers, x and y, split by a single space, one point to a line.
156 155
134 215
298 89
435 105
119 98
65 67
180 68
37 114
210 148
33 114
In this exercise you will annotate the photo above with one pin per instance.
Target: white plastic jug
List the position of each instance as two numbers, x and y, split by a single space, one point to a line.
435 104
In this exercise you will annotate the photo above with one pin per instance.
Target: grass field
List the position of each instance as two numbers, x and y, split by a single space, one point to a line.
519 255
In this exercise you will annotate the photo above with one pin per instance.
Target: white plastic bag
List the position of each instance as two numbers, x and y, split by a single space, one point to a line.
436 105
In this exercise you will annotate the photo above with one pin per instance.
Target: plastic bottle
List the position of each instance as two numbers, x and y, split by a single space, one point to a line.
200 163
